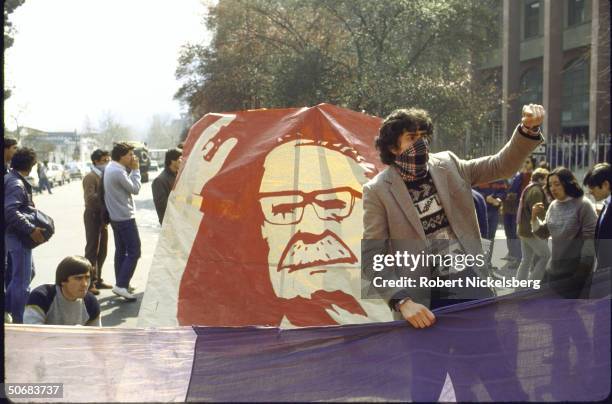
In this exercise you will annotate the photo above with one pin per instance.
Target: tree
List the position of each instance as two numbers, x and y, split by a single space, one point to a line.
164 132
87 127
111 130
9 30
17 119
364 55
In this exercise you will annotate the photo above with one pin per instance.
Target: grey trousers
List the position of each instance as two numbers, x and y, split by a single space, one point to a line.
532 248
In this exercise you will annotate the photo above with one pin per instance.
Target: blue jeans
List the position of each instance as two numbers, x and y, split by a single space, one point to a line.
43 184
127 251
19 271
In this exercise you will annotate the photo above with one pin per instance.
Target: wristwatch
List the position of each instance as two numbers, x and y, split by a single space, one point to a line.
399 304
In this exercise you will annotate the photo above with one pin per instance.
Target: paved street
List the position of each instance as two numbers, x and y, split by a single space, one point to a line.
66 206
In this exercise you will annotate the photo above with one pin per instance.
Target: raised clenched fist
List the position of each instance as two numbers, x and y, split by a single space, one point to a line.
533 115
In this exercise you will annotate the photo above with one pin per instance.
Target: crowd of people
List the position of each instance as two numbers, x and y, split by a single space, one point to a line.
108 192
551 205
534 205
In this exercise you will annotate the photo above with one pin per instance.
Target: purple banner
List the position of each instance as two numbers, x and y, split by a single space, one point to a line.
505 349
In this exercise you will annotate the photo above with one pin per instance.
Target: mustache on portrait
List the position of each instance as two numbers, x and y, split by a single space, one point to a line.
305 250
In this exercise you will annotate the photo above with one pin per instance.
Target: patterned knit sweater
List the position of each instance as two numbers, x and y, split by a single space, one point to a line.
439 234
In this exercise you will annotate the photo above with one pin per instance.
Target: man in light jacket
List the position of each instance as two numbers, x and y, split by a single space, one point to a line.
96 232
421 199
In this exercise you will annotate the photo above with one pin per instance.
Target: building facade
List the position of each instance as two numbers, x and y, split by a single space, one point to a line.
555 53
59 147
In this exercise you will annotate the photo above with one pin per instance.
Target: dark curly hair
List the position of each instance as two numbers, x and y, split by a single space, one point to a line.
172 155
598 174
24 159
98 154
400 120
120 150
568 182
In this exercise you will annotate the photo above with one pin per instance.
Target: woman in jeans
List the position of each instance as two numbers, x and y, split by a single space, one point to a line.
570 222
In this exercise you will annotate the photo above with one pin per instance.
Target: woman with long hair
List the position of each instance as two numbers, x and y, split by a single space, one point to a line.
570 222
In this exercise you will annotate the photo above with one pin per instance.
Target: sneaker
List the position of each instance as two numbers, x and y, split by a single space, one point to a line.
102 285
124 293
8 318
131 289
94 290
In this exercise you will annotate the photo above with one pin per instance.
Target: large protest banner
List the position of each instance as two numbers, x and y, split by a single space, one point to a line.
264 224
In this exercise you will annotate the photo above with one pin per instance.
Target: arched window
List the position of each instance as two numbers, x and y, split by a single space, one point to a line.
575 93
531 86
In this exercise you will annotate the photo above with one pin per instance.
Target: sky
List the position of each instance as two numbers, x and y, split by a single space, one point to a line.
74 60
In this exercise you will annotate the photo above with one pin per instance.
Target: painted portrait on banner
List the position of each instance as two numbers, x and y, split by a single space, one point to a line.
264 224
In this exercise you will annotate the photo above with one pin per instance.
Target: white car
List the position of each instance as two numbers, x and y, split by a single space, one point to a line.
77 169
55 174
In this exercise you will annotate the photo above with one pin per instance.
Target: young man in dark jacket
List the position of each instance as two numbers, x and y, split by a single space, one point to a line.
18 206
96 232
162 185
599 181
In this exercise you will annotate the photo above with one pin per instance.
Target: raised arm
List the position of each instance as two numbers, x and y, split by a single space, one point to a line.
526 137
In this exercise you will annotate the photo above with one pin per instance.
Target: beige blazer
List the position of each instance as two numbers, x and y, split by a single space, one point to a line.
391 222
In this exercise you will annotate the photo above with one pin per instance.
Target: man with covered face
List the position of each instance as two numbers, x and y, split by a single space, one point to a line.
422 202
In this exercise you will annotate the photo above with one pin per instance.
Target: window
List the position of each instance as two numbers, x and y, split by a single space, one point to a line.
576 12
532 19
531 86
575 93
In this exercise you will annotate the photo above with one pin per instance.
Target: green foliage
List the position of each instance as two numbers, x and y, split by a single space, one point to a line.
9 7
9 30
374 56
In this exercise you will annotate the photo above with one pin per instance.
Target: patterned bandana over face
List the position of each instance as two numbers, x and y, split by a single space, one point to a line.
412 163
